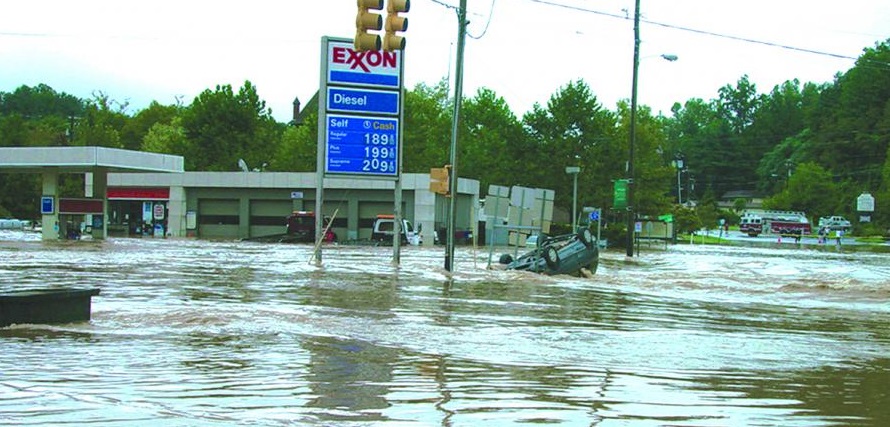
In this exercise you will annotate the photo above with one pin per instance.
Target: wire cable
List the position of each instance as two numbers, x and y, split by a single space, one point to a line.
693 30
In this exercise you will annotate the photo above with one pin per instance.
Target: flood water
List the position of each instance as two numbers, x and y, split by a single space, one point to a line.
197 333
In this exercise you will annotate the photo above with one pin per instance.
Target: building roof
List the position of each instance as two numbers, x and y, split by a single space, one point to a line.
85 159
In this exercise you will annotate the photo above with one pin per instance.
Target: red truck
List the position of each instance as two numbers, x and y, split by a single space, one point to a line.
301 228
775 222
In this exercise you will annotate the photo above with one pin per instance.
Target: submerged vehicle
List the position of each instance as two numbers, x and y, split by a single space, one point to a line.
384 229
566 254
299 228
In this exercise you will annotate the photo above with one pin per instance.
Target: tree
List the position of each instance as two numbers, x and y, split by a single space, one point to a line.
574 130
848 137
489 137
138 127
697 130
222 127
100 125
298 149
427 129
165 138
810 189
39 101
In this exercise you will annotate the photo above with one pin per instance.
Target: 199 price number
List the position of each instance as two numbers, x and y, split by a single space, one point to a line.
380 152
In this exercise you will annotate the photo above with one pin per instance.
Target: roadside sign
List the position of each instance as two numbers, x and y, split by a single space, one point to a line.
360 113
361 144
595 215
620 196
47 205
865 203
158 211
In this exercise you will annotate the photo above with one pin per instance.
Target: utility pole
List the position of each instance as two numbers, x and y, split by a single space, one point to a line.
631 214
458 88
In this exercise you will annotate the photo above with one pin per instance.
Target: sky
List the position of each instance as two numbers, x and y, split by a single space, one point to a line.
136 52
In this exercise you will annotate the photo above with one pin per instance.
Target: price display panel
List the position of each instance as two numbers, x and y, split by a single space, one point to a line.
359 145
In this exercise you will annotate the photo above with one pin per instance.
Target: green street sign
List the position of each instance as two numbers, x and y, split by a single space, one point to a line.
666 218
620 201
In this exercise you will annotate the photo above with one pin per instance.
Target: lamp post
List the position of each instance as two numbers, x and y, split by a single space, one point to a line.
574 170
679 163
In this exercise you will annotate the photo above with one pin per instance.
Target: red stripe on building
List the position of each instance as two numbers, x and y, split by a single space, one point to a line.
144 193
80 206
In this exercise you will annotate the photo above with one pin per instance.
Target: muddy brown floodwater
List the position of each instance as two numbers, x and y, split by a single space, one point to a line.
200 333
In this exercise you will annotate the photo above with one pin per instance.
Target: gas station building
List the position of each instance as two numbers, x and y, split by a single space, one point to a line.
133 193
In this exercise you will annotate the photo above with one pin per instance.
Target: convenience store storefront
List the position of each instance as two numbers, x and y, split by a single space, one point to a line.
138 211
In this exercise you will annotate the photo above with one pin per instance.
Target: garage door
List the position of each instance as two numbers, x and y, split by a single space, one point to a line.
267 217
218 218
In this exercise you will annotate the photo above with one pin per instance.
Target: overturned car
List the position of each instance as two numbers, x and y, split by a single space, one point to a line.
566 254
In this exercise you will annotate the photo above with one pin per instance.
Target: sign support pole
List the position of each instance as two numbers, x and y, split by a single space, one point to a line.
320 154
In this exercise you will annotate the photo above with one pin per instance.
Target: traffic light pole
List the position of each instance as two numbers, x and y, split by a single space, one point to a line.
458 88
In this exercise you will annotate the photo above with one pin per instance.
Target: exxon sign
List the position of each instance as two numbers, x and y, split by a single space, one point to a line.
372 68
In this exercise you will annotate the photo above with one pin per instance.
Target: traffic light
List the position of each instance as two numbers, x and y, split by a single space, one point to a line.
440 181
366 20
395 23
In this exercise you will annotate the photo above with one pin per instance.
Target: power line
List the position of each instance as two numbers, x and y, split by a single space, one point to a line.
487 23
693 30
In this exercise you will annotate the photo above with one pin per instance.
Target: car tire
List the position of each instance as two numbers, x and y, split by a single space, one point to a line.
551 257
505 259
586 237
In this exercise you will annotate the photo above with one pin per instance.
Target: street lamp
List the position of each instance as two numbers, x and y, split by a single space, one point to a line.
679 163
574 170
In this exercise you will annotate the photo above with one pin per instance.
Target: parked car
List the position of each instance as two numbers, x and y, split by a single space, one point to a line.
835 222
384 228
566 254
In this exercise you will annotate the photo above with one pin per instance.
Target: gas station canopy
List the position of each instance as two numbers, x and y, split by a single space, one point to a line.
50 162
85 160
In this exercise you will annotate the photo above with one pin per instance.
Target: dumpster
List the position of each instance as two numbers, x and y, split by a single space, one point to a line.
46 306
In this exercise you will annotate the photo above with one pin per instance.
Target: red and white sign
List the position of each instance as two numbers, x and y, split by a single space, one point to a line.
158 211
346 66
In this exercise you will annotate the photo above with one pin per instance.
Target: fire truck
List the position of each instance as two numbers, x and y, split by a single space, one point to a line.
775 222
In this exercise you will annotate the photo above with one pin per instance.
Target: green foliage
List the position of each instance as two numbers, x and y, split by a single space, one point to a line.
165 138
686 220
298 148
490 134
574 130
739 205
100 125
135 130
427 129
707 210
223 126
810 189
39 101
